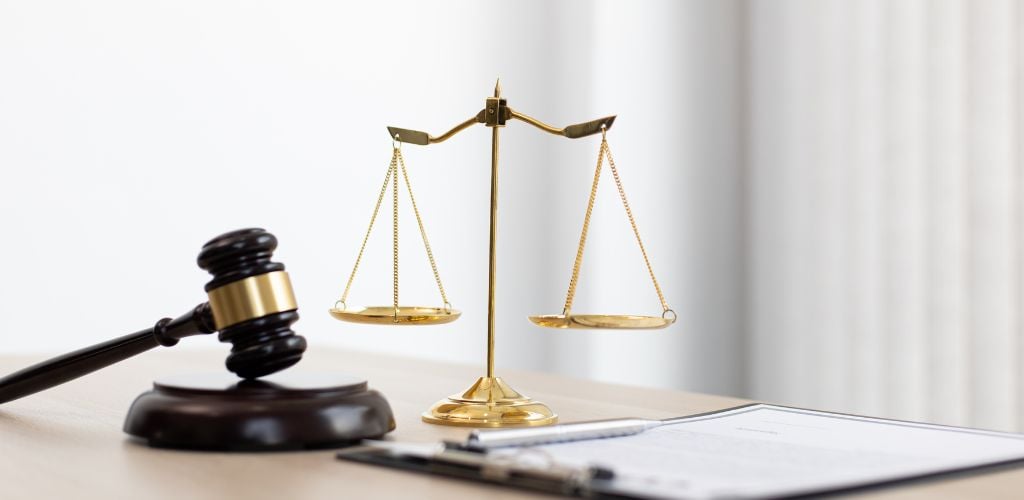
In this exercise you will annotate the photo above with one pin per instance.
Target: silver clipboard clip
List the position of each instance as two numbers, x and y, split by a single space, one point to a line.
527 468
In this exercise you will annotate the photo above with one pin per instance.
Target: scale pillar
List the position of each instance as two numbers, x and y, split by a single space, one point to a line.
494 117
490 402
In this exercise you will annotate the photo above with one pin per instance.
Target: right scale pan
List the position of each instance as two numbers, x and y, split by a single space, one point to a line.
606 321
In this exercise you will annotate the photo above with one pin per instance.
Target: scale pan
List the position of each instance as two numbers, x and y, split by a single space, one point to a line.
407 315
602 321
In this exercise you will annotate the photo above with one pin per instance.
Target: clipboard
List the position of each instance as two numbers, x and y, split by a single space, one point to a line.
671 463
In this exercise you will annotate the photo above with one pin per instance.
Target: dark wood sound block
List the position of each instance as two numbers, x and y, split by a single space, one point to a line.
284 411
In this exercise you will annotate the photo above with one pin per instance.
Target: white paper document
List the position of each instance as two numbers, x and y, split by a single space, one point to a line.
769 451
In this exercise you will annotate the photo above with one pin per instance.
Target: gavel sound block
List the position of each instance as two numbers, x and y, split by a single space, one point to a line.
286 411
252 306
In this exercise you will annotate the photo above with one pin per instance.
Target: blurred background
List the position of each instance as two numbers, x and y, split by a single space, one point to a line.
831 193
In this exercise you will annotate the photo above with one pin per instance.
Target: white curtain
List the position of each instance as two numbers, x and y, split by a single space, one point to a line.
885 207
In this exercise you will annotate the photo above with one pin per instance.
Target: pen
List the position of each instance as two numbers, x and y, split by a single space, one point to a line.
484 440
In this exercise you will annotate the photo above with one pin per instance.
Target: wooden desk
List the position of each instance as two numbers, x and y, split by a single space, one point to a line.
67 442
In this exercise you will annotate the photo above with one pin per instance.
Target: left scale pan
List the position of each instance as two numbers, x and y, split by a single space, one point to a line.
396 314
402 315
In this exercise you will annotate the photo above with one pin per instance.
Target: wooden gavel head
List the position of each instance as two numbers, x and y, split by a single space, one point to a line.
252 302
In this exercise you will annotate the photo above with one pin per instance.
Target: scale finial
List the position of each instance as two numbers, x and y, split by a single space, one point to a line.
497 88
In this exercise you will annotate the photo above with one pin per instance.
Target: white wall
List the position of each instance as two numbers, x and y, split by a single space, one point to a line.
131 132
831 192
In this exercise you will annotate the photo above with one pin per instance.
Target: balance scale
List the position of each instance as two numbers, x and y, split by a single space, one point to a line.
490 401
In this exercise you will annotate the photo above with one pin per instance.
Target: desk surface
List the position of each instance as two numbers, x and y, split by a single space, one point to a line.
67 442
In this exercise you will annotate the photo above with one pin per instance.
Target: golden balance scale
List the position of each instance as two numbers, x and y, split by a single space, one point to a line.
490 402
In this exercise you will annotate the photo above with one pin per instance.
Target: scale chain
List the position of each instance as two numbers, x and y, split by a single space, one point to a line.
574 280
571 294
394 226
423 233
373 218
397 162
632 222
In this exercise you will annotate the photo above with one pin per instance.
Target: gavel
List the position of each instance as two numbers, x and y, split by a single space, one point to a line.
251 304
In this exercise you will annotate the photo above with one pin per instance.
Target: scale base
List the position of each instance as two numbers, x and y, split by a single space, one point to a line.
285 411
490 402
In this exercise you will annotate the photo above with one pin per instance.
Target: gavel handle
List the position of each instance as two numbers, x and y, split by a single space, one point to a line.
72 365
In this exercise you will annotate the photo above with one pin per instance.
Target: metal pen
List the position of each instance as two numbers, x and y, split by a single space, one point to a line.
484 440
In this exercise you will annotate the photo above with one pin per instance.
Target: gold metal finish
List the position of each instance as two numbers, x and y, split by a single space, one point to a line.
632 222
394 231
423 138
609 321
500 114
373 218
603 321
423 234
572 131
492 249
406 315
489 402
250 298
396 314
589 128
496 111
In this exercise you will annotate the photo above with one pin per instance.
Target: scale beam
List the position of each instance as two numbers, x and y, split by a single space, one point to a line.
575 131
572 131
419 138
